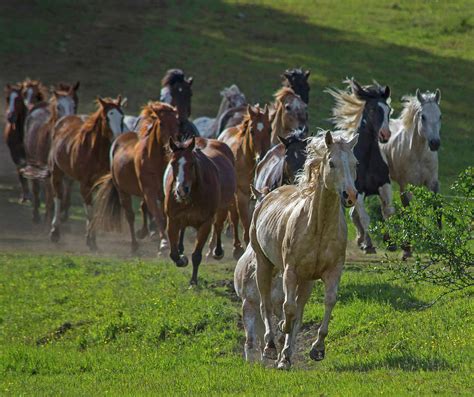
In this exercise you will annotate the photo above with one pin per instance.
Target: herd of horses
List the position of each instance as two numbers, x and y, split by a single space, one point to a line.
254 166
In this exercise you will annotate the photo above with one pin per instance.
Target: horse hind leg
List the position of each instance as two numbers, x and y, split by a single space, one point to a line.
35 188
386 203
126 203
57 184
201 238
143 232
86 193
215 245
66 204
25 191
234 218
251 319
359 213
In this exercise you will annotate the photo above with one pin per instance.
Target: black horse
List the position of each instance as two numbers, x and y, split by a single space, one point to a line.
366 111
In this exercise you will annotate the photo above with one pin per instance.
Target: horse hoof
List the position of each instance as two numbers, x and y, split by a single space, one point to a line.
218 254
370 250
134 247
182 262
270 353
284 364
237 252
164 246
154 235
316 355
54 235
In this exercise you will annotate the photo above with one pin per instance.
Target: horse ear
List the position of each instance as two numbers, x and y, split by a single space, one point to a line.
266 111
353 141
328 139
386 93
438 95
192 145
306 74
257 194
76 86
99 99
419 96
173 145
283 140
250 110
356 88
190 80
118 101
124 102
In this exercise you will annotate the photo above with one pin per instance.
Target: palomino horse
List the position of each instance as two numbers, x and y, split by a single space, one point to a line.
366 111
281 163
290 113
249 142
38 130
297 80
200 187
34 92
231 98
138 162
16 112
412 151
301 232
80 151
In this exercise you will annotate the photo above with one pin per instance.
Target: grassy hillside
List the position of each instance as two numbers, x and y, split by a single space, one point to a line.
76 325
127 47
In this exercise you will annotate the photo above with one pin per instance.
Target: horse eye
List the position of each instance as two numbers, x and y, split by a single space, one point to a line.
440 116
331 164
287 107
423 117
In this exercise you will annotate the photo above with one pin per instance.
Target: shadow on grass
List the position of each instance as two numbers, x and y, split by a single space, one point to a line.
404 362
397 297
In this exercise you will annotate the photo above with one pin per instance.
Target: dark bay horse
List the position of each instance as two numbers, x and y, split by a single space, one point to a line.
200 187
176 90
16 112
138 162
34 92
80 150
281 163
297 80
38 130
366 111
249 142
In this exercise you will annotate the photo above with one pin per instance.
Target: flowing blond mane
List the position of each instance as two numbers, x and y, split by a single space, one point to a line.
348 110
412 107
282 93
308 178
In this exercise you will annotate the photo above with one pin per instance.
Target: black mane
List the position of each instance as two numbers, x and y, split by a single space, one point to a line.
172 76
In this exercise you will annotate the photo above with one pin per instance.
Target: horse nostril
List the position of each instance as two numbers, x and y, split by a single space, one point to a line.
349 202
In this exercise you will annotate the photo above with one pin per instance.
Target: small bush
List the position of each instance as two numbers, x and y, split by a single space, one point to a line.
442 256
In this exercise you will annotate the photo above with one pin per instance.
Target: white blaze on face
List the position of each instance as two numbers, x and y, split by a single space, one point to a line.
180 176
348 177
65 106
29 96
386 115
165 95
13 96
115 121
260 127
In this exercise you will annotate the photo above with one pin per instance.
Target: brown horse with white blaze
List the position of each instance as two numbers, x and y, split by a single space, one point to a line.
249 142
138 162
200 187
80 150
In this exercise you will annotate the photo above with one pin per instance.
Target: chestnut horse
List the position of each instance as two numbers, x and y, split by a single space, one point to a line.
249 142
200 187
16 112
80 150
138 162
290 113
38 130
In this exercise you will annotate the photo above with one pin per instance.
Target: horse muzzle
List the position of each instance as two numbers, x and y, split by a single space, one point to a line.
349 198
183 194
434 144
384 135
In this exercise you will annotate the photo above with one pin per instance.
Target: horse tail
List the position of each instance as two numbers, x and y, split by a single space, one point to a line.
108 210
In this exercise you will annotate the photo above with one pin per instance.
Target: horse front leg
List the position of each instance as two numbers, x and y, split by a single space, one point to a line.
25 191
66 204
362 221
35 188
405 198
434 187
126 203
331 284
253 325
201 238
143 232
243 200
86 193
173 235
57 190
155 206
215 245
234 218
304 289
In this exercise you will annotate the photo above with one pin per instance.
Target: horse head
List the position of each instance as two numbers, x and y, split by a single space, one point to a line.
234 96
65 98
177 91
429 120
15 107
295 154
259 129
297 80
338 168
376 114
33 92
111 114
291 108
183 166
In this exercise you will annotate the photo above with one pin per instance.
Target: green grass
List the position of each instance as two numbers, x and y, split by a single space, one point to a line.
82 325
124 48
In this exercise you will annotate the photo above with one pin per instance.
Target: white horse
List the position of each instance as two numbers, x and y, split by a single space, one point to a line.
231 97
412 151
301 232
